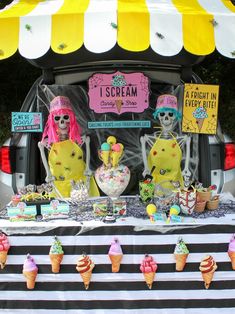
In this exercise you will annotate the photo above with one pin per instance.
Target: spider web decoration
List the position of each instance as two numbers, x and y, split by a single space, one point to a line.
212 126
95 81
144 85
188 126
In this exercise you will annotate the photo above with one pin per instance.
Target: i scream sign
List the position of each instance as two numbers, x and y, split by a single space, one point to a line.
118 92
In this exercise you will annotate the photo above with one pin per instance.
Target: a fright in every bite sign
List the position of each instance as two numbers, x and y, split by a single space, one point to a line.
118 92
200 108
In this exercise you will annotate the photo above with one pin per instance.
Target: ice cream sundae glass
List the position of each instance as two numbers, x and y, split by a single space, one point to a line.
112 177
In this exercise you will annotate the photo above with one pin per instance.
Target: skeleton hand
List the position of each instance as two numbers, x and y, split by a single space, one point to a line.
49 178
88 173
145 172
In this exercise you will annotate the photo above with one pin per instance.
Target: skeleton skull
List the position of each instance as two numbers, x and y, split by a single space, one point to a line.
62 121
167 120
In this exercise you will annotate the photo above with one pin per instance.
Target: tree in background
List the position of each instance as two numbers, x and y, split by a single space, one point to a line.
218 70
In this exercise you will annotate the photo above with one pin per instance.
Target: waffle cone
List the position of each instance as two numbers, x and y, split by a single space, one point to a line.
86 277
56 260
3 258
207 277
105 157
116 261
200 123
180 261
30 278
232 258
149 279
118 103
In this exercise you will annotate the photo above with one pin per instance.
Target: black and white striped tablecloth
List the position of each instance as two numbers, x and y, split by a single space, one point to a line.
124 292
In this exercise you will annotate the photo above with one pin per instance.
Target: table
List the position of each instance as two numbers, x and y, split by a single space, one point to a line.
124 292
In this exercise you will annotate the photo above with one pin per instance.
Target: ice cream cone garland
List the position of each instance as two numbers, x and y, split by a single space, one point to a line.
56 255
207 267
85 267
181 254
4 248
115 255
30 271
231 251
148 268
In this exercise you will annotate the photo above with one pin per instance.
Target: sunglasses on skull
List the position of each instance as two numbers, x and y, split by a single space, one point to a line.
58 118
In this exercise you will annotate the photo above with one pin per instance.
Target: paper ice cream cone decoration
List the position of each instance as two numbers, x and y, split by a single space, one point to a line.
232 258
118 103
181 254
200 115
180 260
30 271
4 248
149 279
207 267
231 251
148 268
104 153
116 154
105 157
199 123
56 255
85 267
115 255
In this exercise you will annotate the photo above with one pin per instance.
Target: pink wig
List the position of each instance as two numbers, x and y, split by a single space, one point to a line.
62 109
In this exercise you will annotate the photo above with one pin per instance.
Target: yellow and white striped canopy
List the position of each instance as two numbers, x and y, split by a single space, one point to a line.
165 26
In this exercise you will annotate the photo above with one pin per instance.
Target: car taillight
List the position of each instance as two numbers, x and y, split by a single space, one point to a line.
229 160
5 164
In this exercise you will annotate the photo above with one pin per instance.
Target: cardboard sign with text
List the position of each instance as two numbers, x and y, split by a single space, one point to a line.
200 108
26 122
118 92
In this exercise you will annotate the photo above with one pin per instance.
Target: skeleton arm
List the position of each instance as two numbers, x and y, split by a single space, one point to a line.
87 172
186 173
49 177
143 140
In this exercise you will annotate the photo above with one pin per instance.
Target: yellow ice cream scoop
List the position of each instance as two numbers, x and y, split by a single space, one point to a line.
111 140
151 209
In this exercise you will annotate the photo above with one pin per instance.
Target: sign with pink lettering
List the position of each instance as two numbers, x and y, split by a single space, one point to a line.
118 92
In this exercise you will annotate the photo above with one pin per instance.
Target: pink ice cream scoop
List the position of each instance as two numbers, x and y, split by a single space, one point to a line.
4 243
4 247
148 268
231 246
30 271
115 248
115 255
116 148
148 265
29 264
231 251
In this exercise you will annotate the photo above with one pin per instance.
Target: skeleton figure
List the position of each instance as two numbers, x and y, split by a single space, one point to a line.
62 137
165 155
